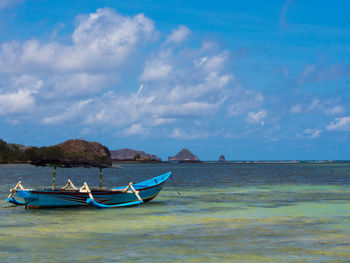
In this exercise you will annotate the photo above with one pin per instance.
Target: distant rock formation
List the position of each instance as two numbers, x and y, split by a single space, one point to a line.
72 153
133 155
222 158
89 149
184 155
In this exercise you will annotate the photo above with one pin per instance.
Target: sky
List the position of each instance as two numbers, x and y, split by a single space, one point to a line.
252 80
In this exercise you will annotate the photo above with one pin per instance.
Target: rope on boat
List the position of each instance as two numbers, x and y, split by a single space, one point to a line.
125 190
85 189
172 179
69 184
135 192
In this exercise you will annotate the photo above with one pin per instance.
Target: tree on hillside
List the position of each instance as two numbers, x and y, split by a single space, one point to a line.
10 153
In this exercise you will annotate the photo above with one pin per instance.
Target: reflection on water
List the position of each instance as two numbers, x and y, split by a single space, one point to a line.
227 212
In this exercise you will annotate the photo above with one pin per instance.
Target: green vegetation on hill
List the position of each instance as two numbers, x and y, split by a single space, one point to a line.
11 153
38 154
70 153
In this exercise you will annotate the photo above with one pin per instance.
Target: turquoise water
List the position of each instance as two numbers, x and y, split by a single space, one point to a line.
225 213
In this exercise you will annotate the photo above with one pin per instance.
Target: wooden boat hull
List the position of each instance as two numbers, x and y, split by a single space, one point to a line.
49 198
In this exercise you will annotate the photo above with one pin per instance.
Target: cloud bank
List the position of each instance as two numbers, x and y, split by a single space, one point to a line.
121 73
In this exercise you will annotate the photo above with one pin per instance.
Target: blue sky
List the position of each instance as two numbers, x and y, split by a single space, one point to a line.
245 79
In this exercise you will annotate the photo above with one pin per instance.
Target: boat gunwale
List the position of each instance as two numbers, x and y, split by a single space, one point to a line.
76 192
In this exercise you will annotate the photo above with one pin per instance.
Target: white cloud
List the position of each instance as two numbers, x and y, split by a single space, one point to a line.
310 133
188 93
212 63
77 84
329 107
256 117
21 98
75 75
199 62
335 110
155 70
24 81
69 114
164 98
339 124
178 133
296 108
213 84
101 40
216 62
244 100
136 129
178 35
153 109
315 104
161 121
16 102
313 133
82 82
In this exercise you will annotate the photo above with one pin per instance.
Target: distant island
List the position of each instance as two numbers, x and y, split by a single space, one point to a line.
78 152
222 158
128 155
184 155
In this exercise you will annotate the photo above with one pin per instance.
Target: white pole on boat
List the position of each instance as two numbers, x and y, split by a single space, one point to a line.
100 177
54 177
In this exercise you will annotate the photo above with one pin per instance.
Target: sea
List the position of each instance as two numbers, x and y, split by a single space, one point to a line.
209 212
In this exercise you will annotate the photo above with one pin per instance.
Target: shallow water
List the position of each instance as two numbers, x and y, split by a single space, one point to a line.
226 212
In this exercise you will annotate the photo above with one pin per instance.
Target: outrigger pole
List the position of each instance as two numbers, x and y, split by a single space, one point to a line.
54 177
100 177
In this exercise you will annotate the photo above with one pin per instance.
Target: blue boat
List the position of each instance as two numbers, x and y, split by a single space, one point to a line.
70 196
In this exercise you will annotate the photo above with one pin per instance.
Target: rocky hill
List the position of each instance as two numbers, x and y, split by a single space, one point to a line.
74 153
70 153
184 155
89 149
127 154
